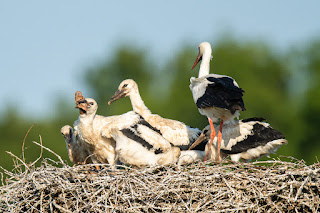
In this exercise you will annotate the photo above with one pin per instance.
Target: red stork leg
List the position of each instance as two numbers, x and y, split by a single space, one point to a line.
213 134
219 141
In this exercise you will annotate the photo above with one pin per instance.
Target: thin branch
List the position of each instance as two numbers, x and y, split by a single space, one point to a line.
41 151
25 165
300 188
24 141
58 156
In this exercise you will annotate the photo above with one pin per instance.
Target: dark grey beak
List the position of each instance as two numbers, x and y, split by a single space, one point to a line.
117 95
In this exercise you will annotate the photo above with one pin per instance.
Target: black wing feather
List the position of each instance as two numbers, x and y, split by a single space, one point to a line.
253 119
260 137
221 92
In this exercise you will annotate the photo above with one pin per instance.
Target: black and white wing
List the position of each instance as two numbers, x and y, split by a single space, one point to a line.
222 92
245 139
253 134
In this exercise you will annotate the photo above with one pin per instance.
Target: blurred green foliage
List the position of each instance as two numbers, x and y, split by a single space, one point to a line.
281 87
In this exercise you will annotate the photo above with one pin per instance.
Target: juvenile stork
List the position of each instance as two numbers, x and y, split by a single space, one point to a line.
138 143
89 126
216 96
245 139
176 132
77 151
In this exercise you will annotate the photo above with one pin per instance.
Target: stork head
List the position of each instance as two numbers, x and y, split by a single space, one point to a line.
125 88
204 48
86 106
67 132
92 106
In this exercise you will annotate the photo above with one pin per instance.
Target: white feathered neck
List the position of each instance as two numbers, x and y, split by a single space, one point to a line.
206 58
138 104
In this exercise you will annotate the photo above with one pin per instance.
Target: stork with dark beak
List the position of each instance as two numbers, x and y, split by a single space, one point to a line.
89 126
176 132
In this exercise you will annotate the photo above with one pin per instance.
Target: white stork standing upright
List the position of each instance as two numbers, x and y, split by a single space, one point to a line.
216 96
176 132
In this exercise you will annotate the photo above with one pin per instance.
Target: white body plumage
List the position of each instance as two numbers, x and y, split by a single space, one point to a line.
137 143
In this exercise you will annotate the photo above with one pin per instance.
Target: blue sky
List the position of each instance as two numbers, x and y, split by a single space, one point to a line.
46 46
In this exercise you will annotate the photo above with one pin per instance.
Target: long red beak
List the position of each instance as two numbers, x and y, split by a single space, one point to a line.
199 57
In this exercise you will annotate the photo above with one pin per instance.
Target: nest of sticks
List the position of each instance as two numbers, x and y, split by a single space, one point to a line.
260 186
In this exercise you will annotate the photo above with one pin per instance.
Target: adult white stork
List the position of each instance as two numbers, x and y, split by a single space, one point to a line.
216 96
138 143
77 151
245 139
89 126
176 132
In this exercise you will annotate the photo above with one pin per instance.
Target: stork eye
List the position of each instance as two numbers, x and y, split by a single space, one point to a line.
125 85
91 103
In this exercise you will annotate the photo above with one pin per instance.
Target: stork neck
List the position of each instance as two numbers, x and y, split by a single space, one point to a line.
205 65
87 118
138 104
87 122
